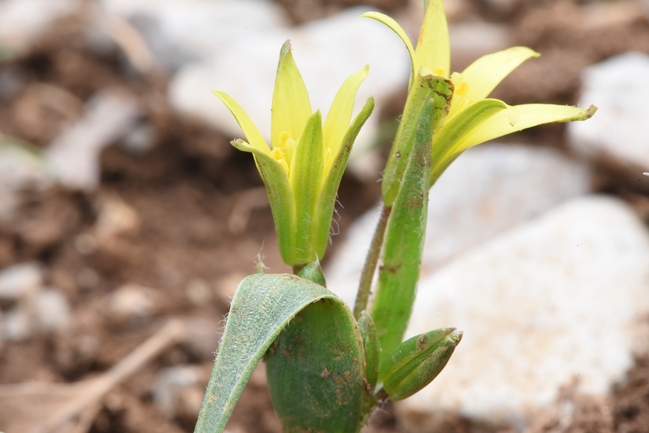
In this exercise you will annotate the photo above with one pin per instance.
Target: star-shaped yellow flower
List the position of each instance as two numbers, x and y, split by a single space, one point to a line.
472 117
304 164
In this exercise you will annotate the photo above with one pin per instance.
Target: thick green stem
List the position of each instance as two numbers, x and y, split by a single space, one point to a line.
365 285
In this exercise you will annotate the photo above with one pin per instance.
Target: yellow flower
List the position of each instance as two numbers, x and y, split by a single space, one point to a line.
472 118
304 164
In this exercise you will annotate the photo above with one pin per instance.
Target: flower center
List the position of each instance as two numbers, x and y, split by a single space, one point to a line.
283 150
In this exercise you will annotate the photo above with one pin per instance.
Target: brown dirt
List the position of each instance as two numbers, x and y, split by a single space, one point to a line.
183 193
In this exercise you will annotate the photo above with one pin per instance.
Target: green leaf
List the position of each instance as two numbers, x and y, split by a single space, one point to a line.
315 371
404 240
262 306
417 361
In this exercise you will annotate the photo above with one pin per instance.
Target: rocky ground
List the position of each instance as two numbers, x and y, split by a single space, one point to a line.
123 207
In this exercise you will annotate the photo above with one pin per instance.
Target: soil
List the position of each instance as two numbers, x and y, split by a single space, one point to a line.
193 237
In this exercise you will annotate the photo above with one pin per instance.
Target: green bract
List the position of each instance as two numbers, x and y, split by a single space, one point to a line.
472 118
303 167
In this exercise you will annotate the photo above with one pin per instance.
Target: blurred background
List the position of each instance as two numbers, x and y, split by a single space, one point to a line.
123 206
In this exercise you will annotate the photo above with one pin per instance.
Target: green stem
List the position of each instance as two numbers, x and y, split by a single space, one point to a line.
365 285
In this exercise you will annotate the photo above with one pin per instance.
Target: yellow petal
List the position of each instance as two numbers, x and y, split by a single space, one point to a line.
395 27
340 114
483 75
291 106
528 115
249 129
433 46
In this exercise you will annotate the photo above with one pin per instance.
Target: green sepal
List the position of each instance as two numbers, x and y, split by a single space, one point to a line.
279 196
445 150
262 306
315 371
305 178
404 241
327 199
426 86
417 361
371 347
312 272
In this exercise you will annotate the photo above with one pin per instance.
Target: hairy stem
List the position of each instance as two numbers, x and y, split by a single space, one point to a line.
365 285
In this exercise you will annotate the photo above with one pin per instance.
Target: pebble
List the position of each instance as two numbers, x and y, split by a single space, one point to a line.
561 297
487 190
20 167
20 281
618 132
326 51
74 155
52 311
131 302
44 312
174 390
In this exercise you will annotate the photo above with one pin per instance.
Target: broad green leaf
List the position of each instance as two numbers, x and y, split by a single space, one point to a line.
417 361
315 371
327 199
404 241
262 306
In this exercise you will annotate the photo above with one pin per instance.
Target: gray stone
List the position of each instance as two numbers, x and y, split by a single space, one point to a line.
618 131
74 155
20 281
486 191
132 302
52 311
561 297
172 388
20 167
179 31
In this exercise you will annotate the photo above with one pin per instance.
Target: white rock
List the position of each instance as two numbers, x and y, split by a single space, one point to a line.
21 21
488 189
620 90
326 52
74 155
20 167
19 281
132 301
564 296
52 311
43 312
18 324
178 31
170 384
